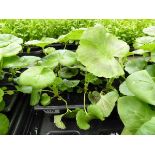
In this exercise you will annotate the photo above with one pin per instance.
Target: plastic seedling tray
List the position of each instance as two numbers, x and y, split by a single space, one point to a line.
10 101
56 107
19 116
43 124
37 51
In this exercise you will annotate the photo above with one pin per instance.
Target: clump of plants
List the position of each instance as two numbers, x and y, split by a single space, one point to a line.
100 60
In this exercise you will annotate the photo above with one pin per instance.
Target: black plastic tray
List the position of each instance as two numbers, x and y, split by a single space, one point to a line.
74 100
19 116
10 101
37 51
43 124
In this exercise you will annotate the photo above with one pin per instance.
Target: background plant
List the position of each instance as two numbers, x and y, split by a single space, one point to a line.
30 29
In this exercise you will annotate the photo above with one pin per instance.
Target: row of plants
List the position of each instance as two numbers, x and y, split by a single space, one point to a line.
29 29
102 70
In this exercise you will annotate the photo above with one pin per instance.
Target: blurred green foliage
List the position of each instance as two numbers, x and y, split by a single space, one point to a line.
29 29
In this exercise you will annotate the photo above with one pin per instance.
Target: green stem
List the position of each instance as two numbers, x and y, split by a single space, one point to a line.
65 45
84 102
61 98
47 91
85 92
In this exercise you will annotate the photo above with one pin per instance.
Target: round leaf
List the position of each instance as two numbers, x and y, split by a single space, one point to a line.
6 39
134 65
148 128
67 58
13 62
142 86
124 89
133 112
45 99
97 51
146 43
82 120
149 30
10 50
37 77
151 70
51 60
67 72
30 60
41 43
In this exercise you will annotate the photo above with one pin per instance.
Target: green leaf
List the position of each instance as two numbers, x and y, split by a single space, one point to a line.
13 62
126 132
83 119
45 99
90 78
24 89
149 31
96 112
151 70
63 57
30 60
1 94
58 121
57 81
35 97
6 39
10 50
37 77
142 86
94 97
148 128
20 62
139 52
51 60
67 58
133 112
10 92
2 105
104 106
49 50
66 84
4 124
73 35
134 65
72 114
146 43
41 43
66 72
124 89
97 50
107 102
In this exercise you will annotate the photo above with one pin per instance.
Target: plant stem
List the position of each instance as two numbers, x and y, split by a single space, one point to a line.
84 102
85 91
61 98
